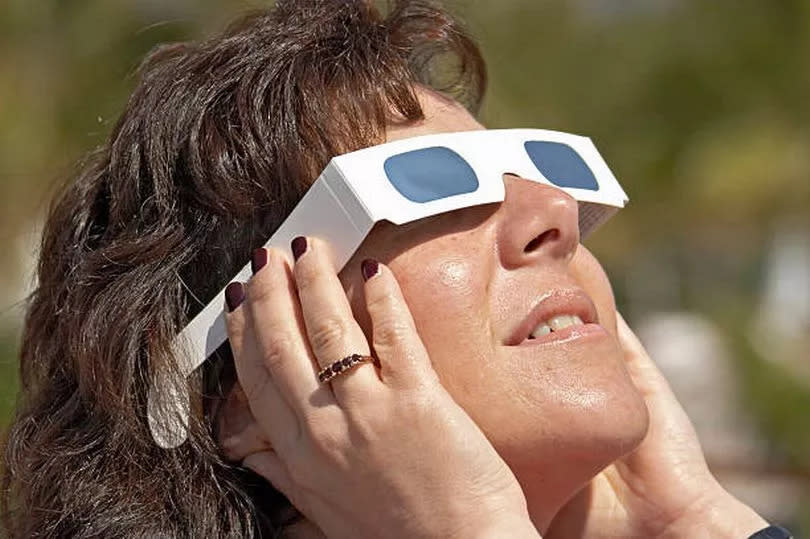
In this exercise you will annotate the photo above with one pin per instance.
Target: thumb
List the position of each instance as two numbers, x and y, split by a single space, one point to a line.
671 431
645 373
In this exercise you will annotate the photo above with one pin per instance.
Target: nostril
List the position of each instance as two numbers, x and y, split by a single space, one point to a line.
548 235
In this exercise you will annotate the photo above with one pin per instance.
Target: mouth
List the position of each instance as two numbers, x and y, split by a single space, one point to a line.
557 315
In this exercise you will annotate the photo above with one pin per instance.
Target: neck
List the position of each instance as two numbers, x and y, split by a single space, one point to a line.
547 493
544 499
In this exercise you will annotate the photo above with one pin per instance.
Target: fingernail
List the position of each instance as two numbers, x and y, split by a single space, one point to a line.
234 295
299 247
259 260
370 268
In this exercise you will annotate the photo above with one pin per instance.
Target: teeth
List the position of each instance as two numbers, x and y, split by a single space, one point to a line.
542 329
563 321
556 324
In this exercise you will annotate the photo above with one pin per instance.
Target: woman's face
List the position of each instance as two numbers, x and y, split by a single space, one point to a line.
478 282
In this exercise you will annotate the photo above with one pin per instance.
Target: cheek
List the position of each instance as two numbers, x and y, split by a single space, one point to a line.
592 277
447 297
442 293
444 281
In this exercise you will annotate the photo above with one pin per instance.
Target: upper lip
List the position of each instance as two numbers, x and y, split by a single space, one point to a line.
572 301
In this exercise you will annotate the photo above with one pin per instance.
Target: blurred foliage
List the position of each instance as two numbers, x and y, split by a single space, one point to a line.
66 68
8 382
774 395
700 108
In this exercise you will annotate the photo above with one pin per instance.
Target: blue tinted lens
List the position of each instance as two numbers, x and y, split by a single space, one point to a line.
561 165
430 174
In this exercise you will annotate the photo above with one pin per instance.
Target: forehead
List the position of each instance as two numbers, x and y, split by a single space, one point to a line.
442 115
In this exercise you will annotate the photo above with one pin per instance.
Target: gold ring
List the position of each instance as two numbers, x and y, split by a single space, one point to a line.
342 366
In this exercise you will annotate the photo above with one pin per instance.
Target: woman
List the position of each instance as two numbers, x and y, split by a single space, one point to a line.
463 427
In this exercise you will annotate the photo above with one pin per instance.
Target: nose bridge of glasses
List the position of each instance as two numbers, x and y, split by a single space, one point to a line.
504 156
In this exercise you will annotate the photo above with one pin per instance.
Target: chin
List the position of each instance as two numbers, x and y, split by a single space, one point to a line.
610 432
570 446
552 478
578 445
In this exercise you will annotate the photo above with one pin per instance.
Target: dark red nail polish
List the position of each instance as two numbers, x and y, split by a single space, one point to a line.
259 260
370 268
299 247
234 295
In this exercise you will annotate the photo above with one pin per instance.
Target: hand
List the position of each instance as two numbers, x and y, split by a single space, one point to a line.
662 489
378 451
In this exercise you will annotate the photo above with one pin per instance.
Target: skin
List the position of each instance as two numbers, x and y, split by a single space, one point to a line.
569 417
572 407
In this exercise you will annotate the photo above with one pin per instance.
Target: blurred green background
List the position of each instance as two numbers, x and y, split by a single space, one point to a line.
700 108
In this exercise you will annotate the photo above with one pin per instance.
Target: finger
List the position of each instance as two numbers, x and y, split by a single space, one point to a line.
273 412
268 465
332 330
235 316
394 335
273 310
238 433
670 432
233 415
662 403
251 439
263 400
643 370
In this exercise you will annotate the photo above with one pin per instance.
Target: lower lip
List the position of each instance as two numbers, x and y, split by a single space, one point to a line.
569 334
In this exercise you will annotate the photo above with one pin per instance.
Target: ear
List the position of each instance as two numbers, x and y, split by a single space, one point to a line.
238 434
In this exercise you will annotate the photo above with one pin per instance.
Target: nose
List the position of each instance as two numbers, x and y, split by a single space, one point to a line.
538 223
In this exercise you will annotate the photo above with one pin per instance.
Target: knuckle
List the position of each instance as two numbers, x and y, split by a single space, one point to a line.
390 331
236 331
276 352
367 429
381 302
420 406
326 438
330 332
421 386
422 395
258 291
307 273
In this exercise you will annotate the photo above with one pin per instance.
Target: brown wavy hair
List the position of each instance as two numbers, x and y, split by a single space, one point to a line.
216 145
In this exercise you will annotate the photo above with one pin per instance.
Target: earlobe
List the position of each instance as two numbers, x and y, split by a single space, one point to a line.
237 432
